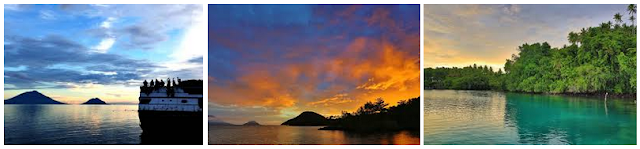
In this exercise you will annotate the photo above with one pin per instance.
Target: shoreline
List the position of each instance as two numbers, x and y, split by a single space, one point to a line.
625 96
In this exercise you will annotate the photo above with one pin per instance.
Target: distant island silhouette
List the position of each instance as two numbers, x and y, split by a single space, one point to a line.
251 123
94 101
307 118
31 97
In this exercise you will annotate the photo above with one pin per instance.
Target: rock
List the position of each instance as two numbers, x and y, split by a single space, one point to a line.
32 97
308 118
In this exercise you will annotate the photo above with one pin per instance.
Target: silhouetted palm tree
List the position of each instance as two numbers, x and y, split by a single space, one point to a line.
618 18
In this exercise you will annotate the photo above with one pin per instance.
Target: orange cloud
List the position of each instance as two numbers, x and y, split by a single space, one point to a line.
337 99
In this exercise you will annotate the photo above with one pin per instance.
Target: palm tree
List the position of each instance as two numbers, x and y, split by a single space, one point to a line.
573 37
617 18
632 11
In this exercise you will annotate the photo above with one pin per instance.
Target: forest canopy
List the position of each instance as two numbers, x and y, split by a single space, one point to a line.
600 59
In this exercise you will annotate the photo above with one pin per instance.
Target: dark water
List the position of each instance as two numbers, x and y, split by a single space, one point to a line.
487 117
302 135
71 124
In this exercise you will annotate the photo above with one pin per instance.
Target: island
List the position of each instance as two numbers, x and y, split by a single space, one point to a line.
94 101
307 118
251 123
31 97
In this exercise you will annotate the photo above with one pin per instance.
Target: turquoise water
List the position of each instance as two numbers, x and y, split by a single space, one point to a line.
488 117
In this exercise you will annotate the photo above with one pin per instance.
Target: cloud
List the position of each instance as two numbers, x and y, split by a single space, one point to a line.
511 9
55 60
47 15
337 99
152 25
107 23
104 45
109 39
13 7
196 60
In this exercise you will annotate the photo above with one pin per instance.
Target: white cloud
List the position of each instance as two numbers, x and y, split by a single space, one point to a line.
13 7
107 42
511 9
107 23
47 15
104 45
190 47
153 23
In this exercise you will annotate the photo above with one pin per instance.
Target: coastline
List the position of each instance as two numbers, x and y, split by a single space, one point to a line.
624 96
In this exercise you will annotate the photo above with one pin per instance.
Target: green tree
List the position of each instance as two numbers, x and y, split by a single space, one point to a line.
618 18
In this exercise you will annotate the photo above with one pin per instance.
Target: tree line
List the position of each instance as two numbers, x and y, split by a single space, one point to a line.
378 117
600 59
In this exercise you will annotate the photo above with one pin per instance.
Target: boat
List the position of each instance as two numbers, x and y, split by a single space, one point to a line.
171 113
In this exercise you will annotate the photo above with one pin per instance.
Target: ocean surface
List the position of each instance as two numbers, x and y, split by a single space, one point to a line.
488 117
302 135
71 124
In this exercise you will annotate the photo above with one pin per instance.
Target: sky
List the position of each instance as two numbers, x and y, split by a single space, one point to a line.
461 35
72 53
269 63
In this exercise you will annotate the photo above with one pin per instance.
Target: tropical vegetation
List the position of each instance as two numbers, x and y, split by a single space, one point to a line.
600 59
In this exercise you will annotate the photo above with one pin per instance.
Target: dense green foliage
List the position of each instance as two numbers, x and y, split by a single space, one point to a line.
466 78
599 59
376 117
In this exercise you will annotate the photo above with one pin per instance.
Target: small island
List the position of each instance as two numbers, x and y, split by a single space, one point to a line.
251 123
307 118
31 97
94 101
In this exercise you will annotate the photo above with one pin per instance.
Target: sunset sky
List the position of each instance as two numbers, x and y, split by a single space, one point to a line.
269 63
72 53
461 35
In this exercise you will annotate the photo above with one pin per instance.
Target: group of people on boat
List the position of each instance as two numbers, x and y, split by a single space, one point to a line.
161 83
152 85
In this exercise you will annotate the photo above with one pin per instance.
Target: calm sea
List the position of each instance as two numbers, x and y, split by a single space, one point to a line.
71 124
302 135
487 117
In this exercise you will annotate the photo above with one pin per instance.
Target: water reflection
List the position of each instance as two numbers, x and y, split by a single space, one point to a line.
71 124
302 135
543 119
487 117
